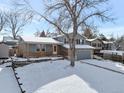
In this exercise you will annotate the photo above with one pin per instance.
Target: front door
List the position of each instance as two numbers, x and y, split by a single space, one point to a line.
54 49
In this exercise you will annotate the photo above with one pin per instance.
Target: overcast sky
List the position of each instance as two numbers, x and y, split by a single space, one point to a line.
116 28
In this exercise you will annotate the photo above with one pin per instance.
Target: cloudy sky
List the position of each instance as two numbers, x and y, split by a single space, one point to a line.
116 28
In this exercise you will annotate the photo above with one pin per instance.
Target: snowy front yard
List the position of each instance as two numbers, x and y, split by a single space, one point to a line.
59 77
8 82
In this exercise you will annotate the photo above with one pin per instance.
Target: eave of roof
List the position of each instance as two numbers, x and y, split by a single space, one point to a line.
79 46
40 40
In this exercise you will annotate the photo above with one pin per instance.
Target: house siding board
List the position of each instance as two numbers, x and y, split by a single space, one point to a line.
62 51
30 50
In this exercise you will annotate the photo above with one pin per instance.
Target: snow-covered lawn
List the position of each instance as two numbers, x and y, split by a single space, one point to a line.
8 82
32 59
59 77
107 64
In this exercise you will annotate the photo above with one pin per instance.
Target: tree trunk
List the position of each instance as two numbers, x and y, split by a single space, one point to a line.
72 53
72 59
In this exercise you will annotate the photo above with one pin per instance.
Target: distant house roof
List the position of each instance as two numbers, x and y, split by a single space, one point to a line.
104 42
107 42
43 40
79 46
61 35
90 40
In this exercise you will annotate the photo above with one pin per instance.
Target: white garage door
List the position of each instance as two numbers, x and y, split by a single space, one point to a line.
83 54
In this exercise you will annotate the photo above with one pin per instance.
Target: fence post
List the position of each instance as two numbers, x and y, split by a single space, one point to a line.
123 58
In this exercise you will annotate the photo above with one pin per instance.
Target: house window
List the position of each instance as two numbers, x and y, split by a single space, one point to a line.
43 48
78 41
65 40
32 48
82 41
38 47
94 44
55 48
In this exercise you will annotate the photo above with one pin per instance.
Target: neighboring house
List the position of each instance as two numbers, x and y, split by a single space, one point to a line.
10 41
4 50
96 43
108 45
37 47
12 44
80 40
99 44
83 51
121 46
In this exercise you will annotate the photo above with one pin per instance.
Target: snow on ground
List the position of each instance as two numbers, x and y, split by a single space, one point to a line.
107 64
32 59
59 77
8 82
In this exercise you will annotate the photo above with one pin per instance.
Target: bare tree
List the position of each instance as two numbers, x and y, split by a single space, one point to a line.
16 21
37 33
73 14
2 20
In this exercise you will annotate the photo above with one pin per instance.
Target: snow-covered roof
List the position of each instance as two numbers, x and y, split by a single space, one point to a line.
112 52
90 40
79 46
61 35
43 40
107 42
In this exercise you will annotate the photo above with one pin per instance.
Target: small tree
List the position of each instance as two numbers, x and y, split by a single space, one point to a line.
42 34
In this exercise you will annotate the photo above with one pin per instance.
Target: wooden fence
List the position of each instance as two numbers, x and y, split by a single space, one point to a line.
114 57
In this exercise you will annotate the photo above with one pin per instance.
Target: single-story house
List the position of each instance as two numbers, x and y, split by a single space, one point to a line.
46 46
82 51
37 47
